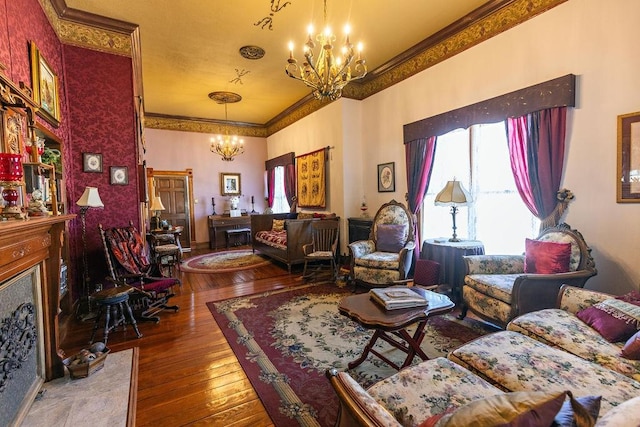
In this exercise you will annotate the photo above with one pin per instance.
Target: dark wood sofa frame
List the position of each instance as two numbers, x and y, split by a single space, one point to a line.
299 233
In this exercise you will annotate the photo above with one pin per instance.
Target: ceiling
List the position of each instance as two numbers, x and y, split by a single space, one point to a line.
191 47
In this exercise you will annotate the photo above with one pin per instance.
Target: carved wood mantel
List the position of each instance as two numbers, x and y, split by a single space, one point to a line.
38 241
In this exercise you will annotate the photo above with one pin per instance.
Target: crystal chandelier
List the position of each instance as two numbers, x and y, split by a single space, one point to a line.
226 146
330 73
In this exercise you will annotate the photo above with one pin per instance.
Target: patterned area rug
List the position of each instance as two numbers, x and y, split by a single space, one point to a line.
223 262
285 341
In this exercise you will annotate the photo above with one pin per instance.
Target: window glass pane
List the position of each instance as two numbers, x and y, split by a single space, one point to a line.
451 161
280 204
496 216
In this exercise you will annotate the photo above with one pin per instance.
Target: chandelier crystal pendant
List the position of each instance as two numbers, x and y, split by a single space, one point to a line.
330 72
227 146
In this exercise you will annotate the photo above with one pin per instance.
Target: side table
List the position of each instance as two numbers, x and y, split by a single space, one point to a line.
449 255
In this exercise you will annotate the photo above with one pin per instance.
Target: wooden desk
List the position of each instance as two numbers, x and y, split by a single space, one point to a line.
389 324
218 224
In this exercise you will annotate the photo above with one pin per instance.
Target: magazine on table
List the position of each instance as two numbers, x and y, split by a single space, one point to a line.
396 297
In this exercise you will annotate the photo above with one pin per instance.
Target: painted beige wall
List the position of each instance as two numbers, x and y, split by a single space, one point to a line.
177 151
589 38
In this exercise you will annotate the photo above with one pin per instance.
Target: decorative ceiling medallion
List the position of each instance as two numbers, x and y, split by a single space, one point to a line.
223 97
251 52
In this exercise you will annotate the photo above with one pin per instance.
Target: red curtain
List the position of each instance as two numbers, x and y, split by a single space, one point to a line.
536 148
419 155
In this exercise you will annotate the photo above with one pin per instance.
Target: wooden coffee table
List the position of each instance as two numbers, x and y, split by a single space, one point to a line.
389 325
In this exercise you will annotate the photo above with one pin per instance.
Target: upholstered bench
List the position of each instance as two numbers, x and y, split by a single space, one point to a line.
245 232
516 362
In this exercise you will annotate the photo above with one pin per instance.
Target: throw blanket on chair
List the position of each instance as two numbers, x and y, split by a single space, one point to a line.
128 247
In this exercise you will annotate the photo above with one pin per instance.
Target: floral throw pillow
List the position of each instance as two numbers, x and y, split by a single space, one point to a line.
277 225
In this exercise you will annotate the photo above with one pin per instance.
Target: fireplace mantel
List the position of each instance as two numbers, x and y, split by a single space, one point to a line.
38 241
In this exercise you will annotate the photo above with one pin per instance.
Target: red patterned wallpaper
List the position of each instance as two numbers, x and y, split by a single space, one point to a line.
96 105
101 118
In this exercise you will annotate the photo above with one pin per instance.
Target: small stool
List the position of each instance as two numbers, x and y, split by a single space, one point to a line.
114 302
245 232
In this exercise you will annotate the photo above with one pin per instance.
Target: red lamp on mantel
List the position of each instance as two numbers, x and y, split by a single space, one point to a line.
10 177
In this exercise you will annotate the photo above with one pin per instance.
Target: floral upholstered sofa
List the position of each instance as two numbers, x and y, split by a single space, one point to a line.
538 359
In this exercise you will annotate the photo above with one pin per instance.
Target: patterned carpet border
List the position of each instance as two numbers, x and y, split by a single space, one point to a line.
286 339
224 262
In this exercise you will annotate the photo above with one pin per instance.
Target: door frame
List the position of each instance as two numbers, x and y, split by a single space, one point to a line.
187 173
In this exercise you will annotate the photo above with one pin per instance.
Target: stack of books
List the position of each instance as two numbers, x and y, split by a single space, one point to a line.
396 297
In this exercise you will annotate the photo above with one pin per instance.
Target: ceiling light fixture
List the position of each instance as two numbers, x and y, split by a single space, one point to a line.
330 73
226 146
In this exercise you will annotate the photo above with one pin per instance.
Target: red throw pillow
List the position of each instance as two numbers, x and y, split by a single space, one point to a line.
546 257
631 349
616 320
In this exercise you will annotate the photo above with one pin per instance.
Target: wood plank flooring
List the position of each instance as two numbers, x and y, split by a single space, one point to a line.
188 374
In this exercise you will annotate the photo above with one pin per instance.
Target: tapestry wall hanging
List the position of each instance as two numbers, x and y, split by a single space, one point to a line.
311 179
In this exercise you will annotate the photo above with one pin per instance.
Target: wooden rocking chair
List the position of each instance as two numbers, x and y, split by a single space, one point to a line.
128 262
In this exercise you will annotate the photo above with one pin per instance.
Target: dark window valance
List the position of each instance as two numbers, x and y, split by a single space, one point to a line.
558 92
285 159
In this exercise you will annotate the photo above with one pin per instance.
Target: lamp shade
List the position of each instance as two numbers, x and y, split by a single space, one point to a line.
10 167
452 194
90 198
156 204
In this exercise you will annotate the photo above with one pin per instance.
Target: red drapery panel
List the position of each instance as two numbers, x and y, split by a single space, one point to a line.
419 155
536 148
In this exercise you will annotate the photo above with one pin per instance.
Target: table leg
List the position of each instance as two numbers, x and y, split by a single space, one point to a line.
367 349
412 346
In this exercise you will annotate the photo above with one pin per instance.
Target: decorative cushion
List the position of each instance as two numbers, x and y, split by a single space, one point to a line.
304 215
277 225
578 411
546 257
391 237
614 319
631 349
521 408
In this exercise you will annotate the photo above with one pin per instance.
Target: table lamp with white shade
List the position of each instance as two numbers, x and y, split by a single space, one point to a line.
454 195
156 207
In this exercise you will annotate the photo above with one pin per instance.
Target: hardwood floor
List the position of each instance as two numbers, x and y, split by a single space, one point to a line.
188 374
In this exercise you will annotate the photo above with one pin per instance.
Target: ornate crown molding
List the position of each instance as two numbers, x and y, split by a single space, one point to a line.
112 36
189 124
88 31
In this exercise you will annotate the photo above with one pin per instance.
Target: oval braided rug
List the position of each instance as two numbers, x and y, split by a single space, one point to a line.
223 262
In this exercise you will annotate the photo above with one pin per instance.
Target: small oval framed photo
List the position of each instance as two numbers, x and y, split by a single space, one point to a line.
119 175
386 177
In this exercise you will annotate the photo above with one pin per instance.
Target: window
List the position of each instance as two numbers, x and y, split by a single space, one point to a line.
280 203
478 157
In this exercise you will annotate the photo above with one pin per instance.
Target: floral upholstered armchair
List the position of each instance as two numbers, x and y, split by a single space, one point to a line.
499 288
386 257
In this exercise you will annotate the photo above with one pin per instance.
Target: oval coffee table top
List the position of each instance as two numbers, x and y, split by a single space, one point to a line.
370 314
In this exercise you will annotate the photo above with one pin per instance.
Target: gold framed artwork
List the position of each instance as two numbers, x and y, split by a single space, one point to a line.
230 184
387 177
44 82
628 177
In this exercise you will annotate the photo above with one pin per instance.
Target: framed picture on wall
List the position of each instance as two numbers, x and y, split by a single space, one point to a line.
387 177
230 184
119 175
44 82
92 162
628 178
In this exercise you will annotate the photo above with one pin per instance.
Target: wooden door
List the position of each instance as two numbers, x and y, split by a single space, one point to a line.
175 189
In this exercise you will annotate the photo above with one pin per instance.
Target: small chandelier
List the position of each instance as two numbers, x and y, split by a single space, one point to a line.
226 146
330 73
